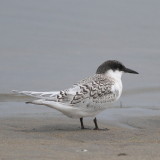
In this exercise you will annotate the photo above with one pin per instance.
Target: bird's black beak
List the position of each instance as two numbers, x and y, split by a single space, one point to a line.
127 70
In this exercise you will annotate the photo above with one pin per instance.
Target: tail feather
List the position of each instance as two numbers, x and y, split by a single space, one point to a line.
41 95
65 109
38 102
43 99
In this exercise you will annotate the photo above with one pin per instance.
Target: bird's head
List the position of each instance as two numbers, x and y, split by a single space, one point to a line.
113 67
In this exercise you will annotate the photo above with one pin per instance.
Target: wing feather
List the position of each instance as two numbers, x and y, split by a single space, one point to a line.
97 89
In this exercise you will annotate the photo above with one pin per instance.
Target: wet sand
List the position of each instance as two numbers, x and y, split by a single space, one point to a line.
45 137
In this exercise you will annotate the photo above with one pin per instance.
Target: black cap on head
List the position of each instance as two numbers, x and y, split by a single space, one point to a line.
113 65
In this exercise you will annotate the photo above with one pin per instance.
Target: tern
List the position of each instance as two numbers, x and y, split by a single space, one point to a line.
89 96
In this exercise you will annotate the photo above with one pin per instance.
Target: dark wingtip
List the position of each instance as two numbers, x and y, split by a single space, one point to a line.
28 102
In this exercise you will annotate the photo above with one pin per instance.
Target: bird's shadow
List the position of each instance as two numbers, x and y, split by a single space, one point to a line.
59 128
54 128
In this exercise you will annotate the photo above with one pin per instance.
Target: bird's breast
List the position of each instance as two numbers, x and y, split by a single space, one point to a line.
117 88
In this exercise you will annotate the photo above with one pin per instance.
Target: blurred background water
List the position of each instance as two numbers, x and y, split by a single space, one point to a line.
49 45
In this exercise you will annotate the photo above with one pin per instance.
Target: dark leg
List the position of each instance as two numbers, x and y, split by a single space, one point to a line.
96 125
82 126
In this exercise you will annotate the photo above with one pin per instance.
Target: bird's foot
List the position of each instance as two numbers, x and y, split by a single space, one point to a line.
84 128
101 129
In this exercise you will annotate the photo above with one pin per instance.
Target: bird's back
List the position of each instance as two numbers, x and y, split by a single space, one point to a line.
92 91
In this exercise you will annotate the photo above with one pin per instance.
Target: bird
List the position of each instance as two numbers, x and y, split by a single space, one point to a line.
89 96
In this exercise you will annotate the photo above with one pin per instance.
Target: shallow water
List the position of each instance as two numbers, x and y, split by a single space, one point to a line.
49 45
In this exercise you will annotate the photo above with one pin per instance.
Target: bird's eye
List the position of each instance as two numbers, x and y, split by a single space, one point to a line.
120 67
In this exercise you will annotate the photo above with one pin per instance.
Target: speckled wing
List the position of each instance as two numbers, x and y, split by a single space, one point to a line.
95 89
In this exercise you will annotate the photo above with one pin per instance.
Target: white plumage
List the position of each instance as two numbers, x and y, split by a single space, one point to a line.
89 96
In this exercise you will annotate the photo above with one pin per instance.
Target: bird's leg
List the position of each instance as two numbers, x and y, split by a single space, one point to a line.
96 125
82 126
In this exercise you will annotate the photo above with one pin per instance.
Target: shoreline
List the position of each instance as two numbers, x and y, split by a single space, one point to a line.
45 137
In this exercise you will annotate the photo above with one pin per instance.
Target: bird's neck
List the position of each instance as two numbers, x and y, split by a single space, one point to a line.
116 75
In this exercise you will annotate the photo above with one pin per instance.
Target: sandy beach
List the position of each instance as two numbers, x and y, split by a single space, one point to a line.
43 137
51 45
